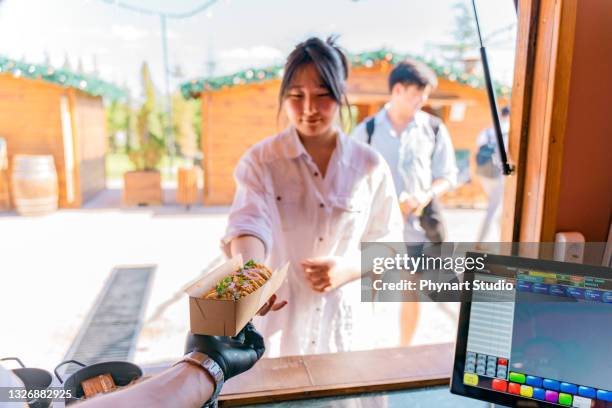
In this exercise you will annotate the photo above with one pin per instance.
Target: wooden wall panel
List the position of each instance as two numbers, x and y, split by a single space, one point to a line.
30 121
91 136
233 120
584 190
561 128
543 103
520 106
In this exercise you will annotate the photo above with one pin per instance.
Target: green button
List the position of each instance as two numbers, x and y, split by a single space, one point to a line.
517 378
565 399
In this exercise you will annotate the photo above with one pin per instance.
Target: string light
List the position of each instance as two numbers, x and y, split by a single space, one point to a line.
86 83
195 87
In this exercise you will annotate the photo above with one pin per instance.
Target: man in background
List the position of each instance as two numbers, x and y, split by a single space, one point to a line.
415 144
420 154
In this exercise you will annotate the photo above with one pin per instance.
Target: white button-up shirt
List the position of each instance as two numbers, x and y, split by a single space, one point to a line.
282 199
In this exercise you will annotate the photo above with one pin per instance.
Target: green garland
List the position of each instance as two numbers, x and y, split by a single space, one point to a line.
85 83
194 88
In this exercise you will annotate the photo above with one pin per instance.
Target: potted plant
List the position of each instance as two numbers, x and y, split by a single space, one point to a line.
142 186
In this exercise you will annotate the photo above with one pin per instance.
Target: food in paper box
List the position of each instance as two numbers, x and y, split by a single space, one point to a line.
215 317
247 279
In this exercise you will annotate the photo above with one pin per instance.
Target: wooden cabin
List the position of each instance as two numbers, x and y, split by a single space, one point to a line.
44 111
241 109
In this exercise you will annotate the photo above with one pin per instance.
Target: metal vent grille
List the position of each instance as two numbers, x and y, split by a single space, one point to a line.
111 328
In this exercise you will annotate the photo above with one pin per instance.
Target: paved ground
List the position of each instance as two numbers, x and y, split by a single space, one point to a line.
52 268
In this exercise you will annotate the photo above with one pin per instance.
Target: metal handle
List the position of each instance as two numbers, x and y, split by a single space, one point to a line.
13 358
64 363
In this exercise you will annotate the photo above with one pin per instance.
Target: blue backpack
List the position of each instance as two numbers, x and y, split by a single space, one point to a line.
486 163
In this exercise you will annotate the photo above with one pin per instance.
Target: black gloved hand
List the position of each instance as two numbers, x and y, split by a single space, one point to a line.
234 355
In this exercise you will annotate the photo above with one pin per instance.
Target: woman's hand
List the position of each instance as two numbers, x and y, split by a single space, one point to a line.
415 203
271 305
324 274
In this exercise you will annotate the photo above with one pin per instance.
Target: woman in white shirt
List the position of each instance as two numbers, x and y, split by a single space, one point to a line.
310 195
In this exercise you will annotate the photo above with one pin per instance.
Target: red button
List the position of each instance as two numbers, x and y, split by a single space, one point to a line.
502 361
514 388
501 385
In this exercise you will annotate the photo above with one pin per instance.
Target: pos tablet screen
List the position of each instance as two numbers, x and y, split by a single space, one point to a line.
546 343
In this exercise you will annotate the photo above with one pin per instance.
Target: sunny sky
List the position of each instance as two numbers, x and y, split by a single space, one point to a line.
234 34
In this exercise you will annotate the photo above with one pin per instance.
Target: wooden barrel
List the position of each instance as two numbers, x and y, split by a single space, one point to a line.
34 184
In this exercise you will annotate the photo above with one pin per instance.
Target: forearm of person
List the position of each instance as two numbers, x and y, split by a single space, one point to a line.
249 246
183 385
352 265
351 268
440 186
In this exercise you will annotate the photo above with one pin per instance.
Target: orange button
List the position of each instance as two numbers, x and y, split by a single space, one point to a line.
514 388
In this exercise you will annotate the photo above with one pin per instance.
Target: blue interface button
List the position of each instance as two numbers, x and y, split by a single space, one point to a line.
523 286
534 381
539 393
556 290
604 395
541 288
569 388
574 292
607 297
551 384
593 295
586 392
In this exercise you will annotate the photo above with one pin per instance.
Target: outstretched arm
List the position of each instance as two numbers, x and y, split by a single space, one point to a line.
187 384
183 385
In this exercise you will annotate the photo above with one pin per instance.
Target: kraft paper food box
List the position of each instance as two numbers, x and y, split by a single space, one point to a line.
227 317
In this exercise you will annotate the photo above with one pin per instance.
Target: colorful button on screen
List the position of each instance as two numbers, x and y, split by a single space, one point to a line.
544 389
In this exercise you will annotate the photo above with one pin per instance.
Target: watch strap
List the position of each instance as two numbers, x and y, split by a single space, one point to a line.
204 361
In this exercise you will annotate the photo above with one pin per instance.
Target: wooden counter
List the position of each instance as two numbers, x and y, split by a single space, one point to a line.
290 378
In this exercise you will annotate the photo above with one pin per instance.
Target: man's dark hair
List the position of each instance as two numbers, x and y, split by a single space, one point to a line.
328 59
411 72
505 111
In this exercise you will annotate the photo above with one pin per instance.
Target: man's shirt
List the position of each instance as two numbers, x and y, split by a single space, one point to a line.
415 156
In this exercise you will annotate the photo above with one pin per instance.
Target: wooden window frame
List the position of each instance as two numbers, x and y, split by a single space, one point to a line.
540 97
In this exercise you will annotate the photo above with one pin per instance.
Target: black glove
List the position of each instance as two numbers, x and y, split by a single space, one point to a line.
234 355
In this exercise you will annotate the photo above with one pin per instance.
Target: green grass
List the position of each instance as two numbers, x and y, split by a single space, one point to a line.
118 163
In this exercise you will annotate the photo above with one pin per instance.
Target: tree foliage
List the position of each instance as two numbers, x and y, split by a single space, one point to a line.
148 152
120 120
183 113
464 34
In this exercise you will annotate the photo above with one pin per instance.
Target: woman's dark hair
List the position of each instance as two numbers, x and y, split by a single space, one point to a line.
412 72
328 59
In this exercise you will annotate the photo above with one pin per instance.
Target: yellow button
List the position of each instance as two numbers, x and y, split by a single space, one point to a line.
470 379
526 391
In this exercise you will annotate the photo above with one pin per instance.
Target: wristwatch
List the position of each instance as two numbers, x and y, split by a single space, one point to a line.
203 361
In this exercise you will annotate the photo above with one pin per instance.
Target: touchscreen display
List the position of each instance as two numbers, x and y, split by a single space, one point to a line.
550 339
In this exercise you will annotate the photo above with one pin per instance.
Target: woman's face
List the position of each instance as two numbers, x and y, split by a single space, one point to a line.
310 106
